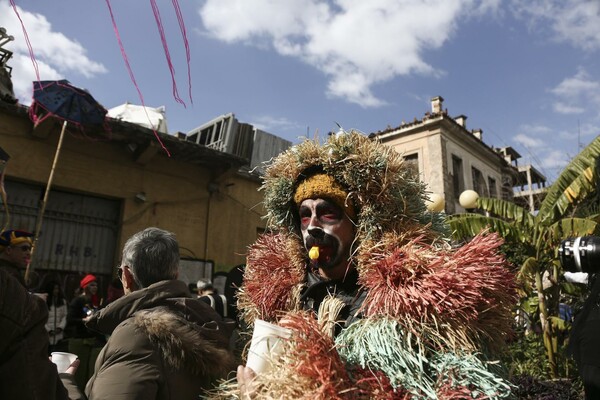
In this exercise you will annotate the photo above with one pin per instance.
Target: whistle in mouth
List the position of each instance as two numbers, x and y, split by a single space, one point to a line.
313 254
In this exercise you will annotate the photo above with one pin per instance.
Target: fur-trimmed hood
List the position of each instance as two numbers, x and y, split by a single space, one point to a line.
185 345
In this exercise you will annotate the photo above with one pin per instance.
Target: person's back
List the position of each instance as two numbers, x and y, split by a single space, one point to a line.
25 370
164 344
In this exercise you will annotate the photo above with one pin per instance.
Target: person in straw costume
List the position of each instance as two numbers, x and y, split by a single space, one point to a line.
380 305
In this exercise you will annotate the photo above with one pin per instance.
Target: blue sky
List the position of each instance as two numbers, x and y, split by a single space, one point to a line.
527 72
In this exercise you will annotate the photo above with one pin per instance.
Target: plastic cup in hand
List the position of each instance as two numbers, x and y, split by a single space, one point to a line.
63 360
266 345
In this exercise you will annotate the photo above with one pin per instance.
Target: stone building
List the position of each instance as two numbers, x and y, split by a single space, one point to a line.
451 158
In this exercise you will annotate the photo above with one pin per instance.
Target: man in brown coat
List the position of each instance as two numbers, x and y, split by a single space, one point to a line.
164 343
25 370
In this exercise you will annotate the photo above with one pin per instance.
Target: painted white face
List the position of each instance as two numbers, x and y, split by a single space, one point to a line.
325 225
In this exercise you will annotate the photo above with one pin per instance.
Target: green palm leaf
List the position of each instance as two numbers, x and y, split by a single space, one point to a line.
506 210
572 227
465 226
578 179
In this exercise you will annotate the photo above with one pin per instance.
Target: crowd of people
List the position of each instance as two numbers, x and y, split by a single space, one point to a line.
156 341
377 301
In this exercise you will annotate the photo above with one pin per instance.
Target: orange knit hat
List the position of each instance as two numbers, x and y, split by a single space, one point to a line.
324 186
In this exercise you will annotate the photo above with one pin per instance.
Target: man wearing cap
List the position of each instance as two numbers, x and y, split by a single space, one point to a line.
377 301
164 343
25 370
15 252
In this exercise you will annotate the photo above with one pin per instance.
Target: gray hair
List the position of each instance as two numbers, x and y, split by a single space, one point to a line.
152 255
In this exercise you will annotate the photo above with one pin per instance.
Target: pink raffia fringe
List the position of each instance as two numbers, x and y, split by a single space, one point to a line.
465 295
273 278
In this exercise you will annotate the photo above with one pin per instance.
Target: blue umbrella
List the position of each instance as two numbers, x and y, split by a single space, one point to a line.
67 102
71 104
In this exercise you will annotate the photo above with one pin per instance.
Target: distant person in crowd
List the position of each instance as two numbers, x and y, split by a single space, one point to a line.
164 343
83 305
114 291
204 287
26 372
83 342
15 252
208 294
57 315
235 278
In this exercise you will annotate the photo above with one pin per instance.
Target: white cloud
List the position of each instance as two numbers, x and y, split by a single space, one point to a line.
563 108
528 141
56 55
23 76
576 86
536 129
577 94
555 159
274 124
356 43
573 21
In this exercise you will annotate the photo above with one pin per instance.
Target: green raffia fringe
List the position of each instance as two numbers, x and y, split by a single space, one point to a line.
469 371
383 345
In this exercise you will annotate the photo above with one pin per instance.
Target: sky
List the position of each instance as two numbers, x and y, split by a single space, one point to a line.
526 72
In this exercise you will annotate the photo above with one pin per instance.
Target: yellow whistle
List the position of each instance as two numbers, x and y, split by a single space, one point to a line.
313 254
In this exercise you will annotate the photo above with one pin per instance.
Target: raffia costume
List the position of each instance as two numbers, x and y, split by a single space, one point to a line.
431 316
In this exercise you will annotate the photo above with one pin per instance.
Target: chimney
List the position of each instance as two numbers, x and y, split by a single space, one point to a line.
478 133
436 104
461 120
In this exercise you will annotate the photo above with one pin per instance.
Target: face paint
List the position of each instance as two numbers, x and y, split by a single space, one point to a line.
327 232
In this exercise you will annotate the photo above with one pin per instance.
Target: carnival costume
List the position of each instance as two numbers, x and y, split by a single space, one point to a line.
431 316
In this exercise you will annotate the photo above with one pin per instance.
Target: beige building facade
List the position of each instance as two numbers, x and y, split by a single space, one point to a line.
113 181
449 158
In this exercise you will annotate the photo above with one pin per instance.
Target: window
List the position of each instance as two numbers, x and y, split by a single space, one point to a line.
458 181
492 187
479 182
412 162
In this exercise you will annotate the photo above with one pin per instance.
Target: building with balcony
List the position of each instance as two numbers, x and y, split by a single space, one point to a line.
530 187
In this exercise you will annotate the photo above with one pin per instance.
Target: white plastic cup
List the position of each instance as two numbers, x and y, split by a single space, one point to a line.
63 360
266 345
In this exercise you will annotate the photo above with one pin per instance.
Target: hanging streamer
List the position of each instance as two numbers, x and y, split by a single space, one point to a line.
163 39
186 44
126 59
31 55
